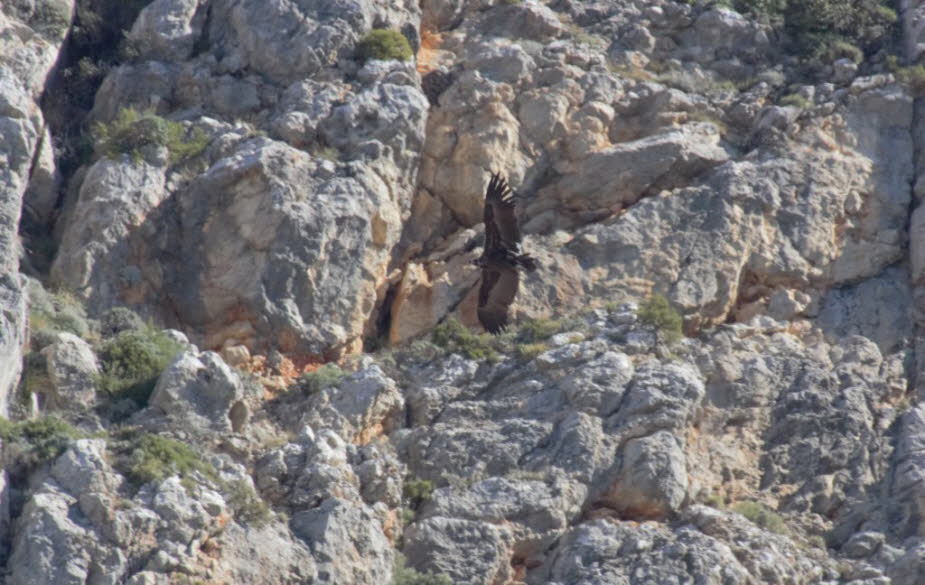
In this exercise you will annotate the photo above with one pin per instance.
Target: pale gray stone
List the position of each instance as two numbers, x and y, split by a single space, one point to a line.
201 392
363 406
464 550
72 368
339 533
166 30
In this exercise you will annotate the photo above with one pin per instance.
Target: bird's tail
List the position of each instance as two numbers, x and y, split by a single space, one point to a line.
527 262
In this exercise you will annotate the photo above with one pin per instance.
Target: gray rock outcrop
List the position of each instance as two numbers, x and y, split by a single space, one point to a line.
287 202
28 58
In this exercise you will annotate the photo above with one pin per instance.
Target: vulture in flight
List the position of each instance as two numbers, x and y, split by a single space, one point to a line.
501 257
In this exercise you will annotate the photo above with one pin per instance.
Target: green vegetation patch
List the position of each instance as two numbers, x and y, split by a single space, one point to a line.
324 377
913 76
246 504
37 440
761 515
795 99
384 44
404 575
58 312
658 313
823 30
417 491
528 351
132 361
51 18
537 330
132 130
154 458
455 337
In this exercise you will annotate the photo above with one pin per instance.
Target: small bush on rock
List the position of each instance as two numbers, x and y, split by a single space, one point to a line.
913 76
58 312
37 440
51 18
537 330
324 377
455 337
132 361
384 44
246 503
119 319
154 458
658 313
404 575
761 515
131 131
795 99
417 491
528 351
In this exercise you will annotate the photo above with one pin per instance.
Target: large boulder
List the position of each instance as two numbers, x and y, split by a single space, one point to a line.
28 59
72 368
200 391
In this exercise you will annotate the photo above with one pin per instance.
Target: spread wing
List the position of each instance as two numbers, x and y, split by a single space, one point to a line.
499 287
501 230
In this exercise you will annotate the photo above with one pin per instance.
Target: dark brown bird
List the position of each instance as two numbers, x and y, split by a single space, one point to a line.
501 257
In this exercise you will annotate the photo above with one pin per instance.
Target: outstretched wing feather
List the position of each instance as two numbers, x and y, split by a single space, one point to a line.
500 217
496 295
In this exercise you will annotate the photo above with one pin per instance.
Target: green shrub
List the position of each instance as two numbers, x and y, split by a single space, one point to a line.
183 143
418 351
119 319
657 312
816 25
761 515
328 153
131 131
455 337
417 491
528 351
384 44
404 575
51 18
39 439
53 313
132 361
842 50
913 76
35 377
324 377
154 458
246 503
795 99
760 7
537 330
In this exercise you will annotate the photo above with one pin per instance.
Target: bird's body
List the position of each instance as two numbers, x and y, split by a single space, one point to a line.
501 258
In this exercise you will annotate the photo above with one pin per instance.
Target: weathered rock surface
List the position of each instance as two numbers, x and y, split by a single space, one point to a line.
654 145
26 58
72 367
199 392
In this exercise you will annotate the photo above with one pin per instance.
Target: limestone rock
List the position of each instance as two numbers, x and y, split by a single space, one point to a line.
200 391
464 550
652 479
27 60
72 366
603 180
360 408
165 29
339 534
116 198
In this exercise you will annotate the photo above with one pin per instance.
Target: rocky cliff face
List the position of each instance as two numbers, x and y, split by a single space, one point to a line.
228 234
